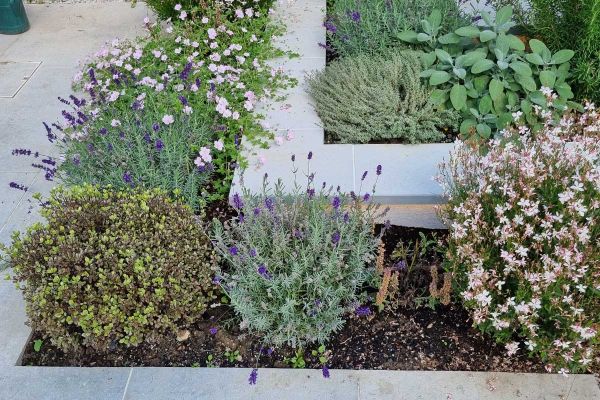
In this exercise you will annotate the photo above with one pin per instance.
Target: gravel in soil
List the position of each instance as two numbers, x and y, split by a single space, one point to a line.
409 337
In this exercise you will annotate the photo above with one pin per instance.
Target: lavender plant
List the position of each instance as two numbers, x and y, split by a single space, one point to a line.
297 261
136 148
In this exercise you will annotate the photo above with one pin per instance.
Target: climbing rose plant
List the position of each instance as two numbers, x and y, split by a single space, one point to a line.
523 246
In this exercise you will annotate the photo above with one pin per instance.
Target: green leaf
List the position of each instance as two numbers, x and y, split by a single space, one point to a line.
487 35
504 15
460 72
423 37
526 106
537 46
515 43
521 68
449 38
502 44
534 58
438 97
428 59
564 90
562 56
427 73
468 31
443 56
503 120
538 98
458 96
408 36
37 345
481 82
482 66
484 131
470 58
496 89
485 104
435 18
526 82
439 77
547 78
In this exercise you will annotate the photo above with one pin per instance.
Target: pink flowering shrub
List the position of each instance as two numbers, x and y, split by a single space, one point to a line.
524 238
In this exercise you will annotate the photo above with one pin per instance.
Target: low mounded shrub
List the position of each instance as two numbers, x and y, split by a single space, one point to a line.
372 26
112 268
297 261
523 246
368 98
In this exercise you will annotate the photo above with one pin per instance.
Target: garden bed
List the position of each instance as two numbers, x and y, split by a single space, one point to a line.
413 336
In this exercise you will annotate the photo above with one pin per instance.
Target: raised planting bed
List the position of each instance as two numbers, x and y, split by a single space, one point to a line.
406 185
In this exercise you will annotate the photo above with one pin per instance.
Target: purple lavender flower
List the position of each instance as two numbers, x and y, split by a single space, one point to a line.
51 136
183 101
233 251
237 201
336 202
399 266
330 26
269 203
364 175
103 131
127 178
293 157
325 371
363 311
346 217
18 186
155 127
262 271
298 234
310 155
252 252
366 197
310 192
253 376
147 138
159 145
257 211
216 280
335 238
378 172
213 331
354 15
186 72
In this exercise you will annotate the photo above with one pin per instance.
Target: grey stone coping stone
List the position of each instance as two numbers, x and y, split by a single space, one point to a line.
63 383
408 169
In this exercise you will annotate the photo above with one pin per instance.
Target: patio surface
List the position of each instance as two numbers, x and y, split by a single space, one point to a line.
39 66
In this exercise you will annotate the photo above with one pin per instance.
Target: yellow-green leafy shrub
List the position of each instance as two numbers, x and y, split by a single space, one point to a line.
111 268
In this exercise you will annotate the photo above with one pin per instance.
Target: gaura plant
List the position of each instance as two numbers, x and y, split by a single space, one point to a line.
487 74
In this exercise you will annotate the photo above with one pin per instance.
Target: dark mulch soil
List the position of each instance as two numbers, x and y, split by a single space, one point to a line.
411 337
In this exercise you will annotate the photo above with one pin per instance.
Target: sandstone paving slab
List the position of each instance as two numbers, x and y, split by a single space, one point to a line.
58 383
432 385
232 384
28 210
13 331
10 198
229 383
62 34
